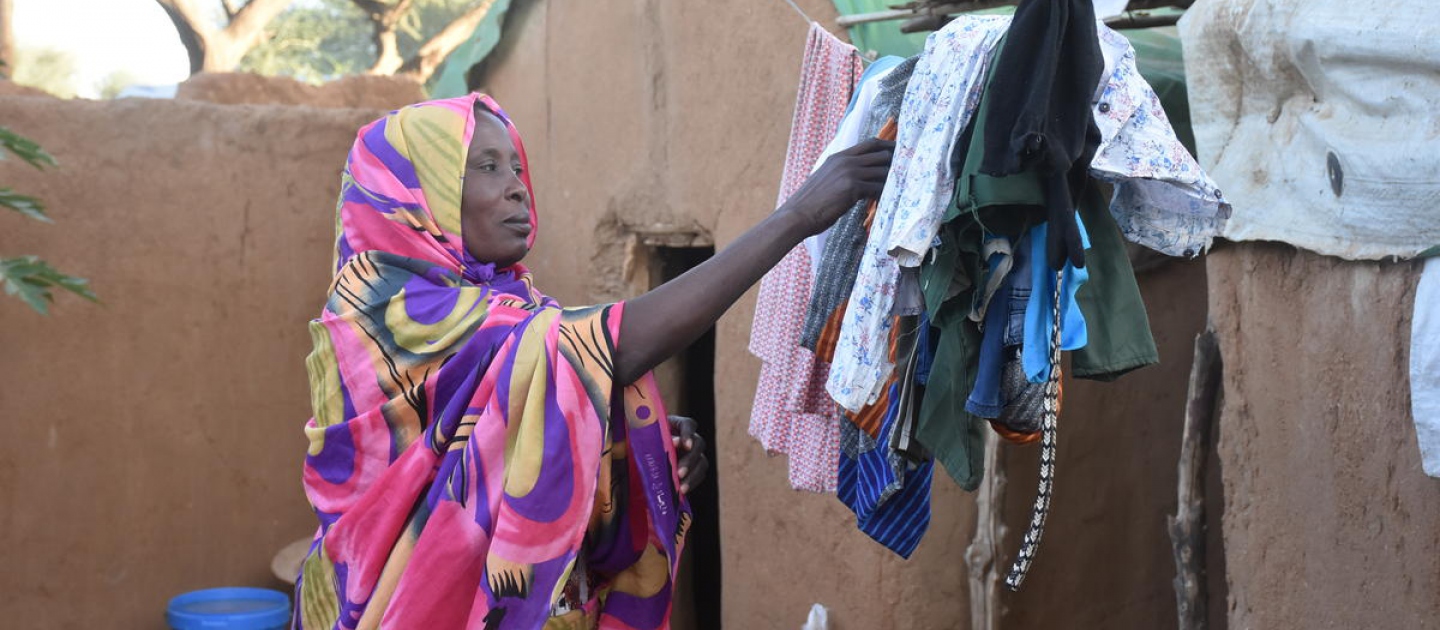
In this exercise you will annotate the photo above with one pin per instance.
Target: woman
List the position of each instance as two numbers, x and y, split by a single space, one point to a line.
479 456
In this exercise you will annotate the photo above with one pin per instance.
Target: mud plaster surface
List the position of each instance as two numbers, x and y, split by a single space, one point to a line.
1330 521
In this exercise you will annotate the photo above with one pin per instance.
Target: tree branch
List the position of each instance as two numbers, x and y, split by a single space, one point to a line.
1187 527
374 8
230 10
246 30
434 52
386 20
192 29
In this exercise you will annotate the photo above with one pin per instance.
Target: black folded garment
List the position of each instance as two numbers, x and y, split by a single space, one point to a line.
1040 118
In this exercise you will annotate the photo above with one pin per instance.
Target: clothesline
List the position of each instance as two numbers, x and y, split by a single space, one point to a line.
808 21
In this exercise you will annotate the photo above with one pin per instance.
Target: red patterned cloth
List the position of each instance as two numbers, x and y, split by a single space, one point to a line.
792 413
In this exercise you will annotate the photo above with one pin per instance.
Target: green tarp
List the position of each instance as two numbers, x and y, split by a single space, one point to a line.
450 80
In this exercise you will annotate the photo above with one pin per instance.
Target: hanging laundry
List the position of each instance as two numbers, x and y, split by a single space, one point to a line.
1040 120
853 129
1117 327
887 487
985 400
840 261
791 414
985 210
1038 321
1162 199
1425 367
939 99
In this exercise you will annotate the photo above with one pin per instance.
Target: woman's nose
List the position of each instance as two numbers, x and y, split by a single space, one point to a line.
517 192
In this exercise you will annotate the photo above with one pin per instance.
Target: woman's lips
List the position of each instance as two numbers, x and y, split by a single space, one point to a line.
519 225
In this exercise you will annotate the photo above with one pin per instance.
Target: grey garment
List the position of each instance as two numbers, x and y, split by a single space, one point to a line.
902 429
845 243
890 95
1024 401
995 271
909 299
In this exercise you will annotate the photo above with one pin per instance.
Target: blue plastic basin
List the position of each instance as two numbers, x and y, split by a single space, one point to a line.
229 609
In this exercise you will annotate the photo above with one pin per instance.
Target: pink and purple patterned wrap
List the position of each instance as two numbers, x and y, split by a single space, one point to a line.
469 442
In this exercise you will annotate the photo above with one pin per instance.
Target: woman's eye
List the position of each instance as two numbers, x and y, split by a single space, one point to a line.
518 171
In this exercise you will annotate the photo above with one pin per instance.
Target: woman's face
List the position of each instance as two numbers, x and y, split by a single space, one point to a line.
494 203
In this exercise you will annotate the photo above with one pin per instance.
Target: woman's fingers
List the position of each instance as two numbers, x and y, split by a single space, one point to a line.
691 464
682 431
871 147
691 458
873 173
692 473
856 173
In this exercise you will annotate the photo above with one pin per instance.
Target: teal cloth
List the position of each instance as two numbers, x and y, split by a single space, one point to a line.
880 38
452 80
1040 310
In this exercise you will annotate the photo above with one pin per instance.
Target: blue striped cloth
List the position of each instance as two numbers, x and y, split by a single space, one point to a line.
889 494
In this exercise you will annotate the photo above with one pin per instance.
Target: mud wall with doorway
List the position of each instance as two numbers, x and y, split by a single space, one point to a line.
150 445
651 117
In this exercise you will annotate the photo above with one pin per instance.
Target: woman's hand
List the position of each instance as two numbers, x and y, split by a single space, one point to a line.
690 450
846 177
661 323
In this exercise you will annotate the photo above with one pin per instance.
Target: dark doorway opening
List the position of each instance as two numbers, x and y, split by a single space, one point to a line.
688 381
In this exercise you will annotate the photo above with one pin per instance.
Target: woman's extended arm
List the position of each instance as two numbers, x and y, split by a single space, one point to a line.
662 322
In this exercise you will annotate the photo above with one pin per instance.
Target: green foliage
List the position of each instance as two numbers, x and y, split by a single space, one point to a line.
24 204
320 40
25 149
114 83
47 69
314 42
28 277
32 280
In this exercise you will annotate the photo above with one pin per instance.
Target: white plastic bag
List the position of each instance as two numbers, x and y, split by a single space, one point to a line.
818 619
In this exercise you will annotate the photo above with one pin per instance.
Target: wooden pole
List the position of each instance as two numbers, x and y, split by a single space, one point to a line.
1187 527
1128 20
984 550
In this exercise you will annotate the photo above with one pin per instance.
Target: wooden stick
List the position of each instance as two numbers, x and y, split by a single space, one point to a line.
901 14
1119 21
984 546
1187 527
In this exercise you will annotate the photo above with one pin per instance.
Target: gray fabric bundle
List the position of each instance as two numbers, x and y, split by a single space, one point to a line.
844 245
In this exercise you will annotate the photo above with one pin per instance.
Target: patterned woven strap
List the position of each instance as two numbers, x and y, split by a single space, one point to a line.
1048 423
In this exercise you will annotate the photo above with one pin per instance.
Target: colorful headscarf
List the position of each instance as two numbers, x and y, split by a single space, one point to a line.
470 448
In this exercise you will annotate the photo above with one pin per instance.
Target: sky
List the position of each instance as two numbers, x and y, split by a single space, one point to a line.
105 36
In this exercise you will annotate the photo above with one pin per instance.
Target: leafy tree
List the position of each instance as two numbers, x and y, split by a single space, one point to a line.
317 40
47 69
28 277
314 41
390 19
115 82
